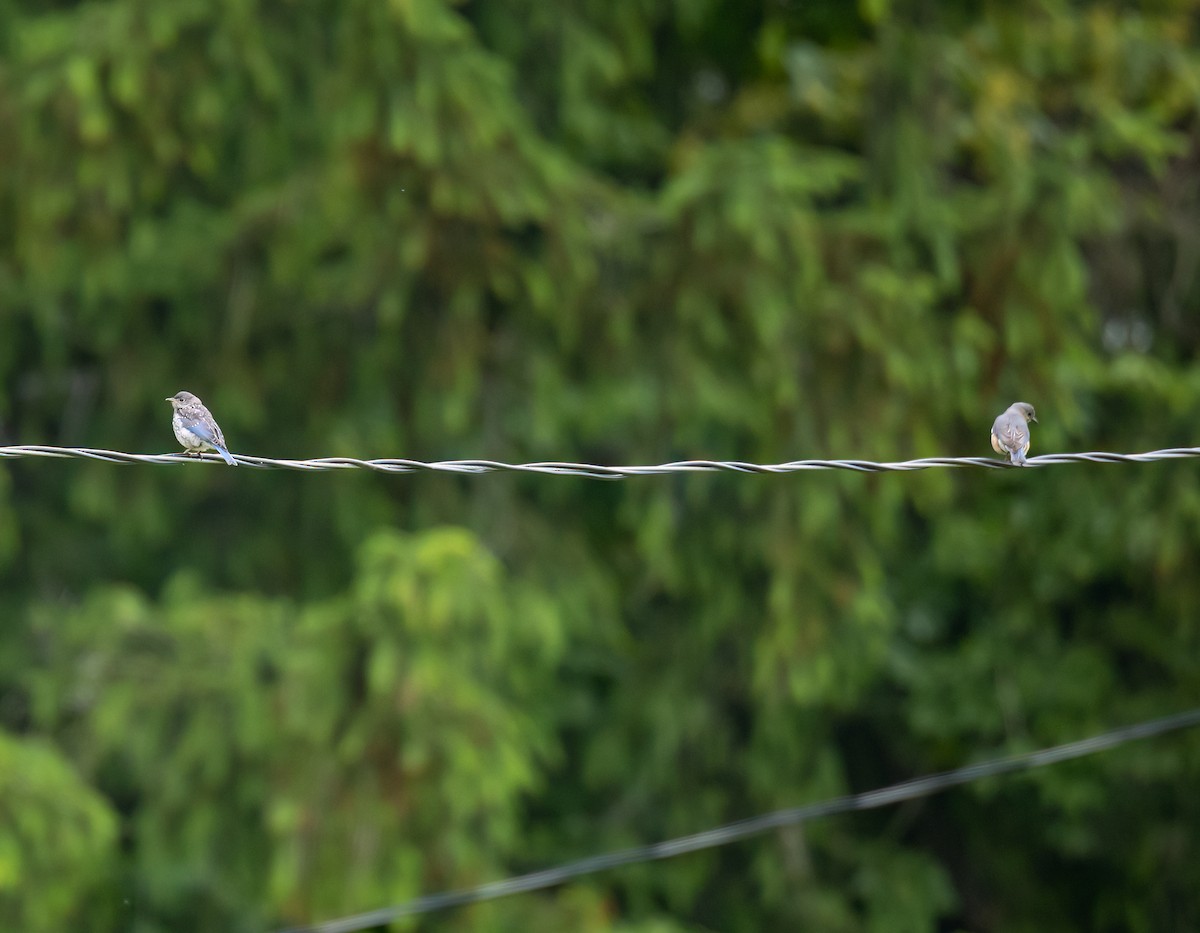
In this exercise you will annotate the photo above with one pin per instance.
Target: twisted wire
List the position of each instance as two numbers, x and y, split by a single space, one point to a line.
756 825
592 470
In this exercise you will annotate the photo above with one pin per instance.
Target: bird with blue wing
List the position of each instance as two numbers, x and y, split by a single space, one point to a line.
195 427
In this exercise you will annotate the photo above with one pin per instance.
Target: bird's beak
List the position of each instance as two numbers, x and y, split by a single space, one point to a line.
168 400
1033 419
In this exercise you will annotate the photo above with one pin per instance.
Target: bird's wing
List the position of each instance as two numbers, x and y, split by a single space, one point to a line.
1014 436
204 430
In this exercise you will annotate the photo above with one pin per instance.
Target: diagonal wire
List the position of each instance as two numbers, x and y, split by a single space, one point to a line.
753 826
592 470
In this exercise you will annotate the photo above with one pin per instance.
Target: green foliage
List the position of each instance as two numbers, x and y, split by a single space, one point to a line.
57 835
417 702
622 233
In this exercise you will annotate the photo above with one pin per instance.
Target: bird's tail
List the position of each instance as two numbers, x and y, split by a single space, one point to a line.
225 455
1017 457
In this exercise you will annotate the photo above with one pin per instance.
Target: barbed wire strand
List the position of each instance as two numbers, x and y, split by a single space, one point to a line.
742 829
592 470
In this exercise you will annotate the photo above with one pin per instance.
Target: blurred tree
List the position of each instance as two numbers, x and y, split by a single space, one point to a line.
292 752
613 232
57 835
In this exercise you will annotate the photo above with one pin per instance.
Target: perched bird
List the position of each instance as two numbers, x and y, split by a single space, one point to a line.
195 428
1010 432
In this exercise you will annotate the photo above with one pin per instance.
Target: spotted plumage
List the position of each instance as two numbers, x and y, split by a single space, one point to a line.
1010 432
195 428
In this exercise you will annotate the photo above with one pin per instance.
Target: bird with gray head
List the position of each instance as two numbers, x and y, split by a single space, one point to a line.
195 428
1010 432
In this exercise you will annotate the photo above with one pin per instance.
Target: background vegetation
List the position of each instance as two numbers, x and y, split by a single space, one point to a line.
617 232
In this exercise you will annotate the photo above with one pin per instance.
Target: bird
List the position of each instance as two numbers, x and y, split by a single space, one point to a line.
195 428
1010 432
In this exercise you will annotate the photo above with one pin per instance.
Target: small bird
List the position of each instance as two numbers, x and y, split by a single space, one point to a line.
195 428
1010 432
